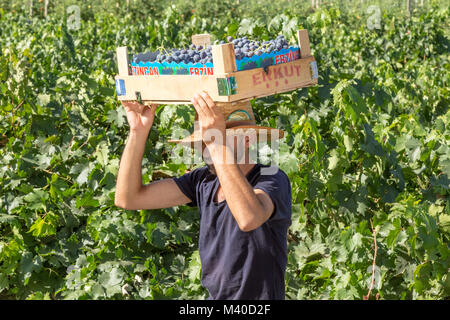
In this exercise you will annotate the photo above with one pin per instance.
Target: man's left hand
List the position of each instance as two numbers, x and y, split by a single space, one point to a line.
212 122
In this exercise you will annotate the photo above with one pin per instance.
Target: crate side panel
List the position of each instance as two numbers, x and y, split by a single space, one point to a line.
279 78
173 89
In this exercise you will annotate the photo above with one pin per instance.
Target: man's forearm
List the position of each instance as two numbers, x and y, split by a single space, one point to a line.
129 178
241 198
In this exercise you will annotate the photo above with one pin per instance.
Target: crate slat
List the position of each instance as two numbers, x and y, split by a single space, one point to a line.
303 42
224 60
122 61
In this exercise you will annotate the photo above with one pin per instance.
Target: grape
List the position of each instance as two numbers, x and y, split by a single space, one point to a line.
244 47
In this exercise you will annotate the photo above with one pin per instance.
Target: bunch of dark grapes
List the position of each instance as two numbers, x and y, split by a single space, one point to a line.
243 47
194 54
144 57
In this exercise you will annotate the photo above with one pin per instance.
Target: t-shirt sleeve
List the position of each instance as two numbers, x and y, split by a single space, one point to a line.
188 185
278 187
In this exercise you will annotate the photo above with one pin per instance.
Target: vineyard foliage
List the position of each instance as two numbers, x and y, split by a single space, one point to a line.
367 152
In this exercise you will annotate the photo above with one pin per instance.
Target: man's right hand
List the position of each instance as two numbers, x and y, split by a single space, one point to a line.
140 117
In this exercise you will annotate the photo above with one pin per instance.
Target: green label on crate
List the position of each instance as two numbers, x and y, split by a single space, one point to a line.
226 86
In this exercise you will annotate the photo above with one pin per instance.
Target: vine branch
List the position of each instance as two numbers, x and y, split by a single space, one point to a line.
372 282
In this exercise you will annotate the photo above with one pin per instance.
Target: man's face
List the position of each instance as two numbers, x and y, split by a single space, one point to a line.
237 150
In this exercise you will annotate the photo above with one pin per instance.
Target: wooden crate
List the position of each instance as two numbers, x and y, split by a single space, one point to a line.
226 85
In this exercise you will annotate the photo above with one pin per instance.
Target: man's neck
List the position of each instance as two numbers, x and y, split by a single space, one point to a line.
245 167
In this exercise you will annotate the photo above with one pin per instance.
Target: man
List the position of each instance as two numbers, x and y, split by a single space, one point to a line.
244 215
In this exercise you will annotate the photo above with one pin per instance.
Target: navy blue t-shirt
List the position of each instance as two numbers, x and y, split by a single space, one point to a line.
238 264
